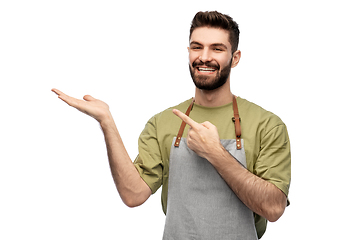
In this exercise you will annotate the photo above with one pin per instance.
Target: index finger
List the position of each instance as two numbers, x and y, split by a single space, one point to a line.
185 118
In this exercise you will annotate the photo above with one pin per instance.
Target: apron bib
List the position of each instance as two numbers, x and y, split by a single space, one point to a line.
200 204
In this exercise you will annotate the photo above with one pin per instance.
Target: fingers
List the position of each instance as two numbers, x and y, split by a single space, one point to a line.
58 92
69 100
61 95
186 119
64 97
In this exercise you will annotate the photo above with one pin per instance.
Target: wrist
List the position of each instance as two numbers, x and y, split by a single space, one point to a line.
106 121
216 154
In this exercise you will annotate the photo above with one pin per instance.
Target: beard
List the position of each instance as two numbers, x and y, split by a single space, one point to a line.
205 82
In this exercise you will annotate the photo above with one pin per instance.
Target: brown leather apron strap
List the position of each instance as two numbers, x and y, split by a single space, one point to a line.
237 123
236 120
183 125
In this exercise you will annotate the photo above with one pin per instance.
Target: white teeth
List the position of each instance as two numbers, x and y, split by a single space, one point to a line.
206 69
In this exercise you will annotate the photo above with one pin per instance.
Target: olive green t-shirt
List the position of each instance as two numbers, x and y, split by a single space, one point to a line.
265 137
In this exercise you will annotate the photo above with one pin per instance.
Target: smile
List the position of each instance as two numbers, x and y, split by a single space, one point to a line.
206 69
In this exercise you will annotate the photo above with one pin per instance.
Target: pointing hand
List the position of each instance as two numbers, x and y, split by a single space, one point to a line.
202 138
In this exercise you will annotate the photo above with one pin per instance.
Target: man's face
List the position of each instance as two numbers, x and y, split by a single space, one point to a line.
210 57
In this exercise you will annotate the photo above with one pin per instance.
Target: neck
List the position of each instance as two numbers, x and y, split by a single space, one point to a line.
214 98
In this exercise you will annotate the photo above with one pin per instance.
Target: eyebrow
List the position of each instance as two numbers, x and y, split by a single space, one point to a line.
219 45
213 45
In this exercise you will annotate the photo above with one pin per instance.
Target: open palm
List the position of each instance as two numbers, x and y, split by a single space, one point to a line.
90 106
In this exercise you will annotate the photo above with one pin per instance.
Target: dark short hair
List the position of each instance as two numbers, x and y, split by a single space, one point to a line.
217 20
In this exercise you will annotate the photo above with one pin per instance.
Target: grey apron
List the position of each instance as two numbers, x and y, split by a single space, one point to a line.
200 204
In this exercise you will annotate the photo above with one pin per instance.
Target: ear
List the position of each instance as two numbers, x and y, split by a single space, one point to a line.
236 58
188 48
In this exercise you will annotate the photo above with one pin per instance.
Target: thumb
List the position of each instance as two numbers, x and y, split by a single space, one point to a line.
208 125
88 98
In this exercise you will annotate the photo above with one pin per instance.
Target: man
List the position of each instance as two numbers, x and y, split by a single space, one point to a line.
224 166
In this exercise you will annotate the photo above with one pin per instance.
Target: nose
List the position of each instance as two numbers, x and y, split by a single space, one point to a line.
205 56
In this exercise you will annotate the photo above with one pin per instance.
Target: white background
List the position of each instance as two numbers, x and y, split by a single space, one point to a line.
300 60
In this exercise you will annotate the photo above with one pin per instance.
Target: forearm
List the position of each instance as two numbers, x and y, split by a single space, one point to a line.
131 187
261 196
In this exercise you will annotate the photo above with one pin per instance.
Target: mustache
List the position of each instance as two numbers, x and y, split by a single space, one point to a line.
207 64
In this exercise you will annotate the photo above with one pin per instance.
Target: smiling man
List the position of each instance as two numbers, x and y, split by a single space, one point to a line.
207 43
224 165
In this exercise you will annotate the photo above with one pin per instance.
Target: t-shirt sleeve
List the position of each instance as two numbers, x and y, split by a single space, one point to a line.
149 162
274 161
